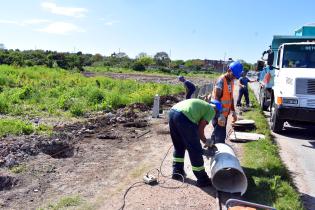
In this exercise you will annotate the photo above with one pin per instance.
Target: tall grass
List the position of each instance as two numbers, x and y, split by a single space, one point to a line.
19 127
16 127
40 91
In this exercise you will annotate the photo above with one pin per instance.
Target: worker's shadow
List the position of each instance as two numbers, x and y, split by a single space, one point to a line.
209 190
308 201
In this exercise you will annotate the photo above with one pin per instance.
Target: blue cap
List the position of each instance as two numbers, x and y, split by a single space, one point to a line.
181 78
236 67
217 104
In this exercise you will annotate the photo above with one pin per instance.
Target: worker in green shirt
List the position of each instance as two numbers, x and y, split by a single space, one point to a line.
187 120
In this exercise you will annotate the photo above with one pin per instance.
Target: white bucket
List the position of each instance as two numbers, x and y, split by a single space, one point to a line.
226 172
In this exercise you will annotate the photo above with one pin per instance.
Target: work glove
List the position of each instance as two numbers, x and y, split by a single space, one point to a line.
210 150
221 120
234 117
209 142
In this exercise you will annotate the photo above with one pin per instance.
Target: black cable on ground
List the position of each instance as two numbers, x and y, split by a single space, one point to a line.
126 192
159 172
167 176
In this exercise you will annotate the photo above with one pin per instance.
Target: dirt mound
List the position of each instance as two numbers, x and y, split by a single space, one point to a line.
14 150
170 99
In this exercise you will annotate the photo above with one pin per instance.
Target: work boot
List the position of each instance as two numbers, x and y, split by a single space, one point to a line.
179 175
206 182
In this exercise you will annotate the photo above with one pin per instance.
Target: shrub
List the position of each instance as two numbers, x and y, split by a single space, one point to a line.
95 96
77 109
138 67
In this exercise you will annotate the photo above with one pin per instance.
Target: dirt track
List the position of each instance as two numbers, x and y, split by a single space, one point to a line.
149 78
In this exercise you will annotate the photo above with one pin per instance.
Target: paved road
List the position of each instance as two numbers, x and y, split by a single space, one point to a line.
297 150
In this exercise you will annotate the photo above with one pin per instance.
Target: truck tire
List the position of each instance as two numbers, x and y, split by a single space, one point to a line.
276 124
262 100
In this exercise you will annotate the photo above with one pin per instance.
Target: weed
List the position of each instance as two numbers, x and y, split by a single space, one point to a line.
17 127
18 168
69 201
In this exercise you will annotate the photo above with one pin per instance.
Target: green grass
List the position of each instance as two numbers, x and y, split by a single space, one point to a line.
18 168
63 203
19 127
269 180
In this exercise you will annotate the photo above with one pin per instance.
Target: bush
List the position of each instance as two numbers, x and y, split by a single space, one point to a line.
95 96
77 109
138 67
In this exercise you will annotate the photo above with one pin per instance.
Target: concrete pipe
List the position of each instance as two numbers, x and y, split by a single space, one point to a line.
226 172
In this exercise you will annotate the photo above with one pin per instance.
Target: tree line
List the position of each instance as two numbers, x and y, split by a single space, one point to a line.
77 61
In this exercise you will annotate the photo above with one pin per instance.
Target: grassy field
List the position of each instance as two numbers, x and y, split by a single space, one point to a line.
43 92
269 180
154 72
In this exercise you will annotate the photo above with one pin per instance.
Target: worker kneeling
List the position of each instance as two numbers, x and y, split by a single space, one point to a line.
187 120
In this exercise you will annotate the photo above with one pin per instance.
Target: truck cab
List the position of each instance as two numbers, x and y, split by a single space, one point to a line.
291 92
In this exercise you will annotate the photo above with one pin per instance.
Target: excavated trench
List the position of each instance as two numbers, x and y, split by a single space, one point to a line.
7 182
57 149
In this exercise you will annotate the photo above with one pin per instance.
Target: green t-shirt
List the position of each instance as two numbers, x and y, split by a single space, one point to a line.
195 110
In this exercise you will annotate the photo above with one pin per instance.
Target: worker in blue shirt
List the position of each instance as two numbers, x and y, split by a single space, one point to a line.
266 80
243 89
190 87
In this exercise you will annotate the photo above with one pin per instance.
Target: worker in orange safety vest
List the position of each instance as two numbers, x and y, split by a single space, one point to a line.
223 92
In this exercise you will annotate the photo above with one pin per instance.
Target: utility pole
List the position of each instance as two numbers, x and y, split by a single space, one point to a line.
169 64
223 62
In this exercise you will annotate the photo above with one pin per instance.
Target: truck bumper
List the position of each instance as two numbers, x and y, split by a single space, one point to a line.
296 114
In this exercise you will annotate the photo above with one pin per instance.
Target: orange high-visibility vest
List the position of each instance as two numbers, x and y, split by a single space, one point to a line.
227 96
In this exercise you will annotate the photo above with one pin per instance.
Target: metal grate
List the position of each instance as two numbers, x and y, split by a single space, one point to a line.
305 86
311 102
311 86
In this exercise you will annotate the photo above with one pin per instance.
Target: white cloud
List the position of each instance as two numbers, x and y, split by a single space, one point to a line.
67 11
12 22
35 21
61 28
25 22
110 23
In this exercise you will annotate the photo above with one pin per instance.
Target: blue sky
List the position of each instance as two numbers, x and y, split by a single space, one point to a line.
185 29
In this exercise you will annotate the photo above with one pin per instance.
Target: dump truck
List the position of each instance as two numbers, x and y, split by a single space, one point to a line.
288 79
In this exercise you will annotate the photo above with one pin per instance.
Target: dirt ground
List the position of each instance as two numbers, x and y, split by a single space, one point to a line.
98 160
149 78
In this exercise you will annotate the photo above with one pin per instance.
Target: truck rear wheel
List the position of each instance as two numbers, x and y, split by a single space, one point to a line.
276 124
